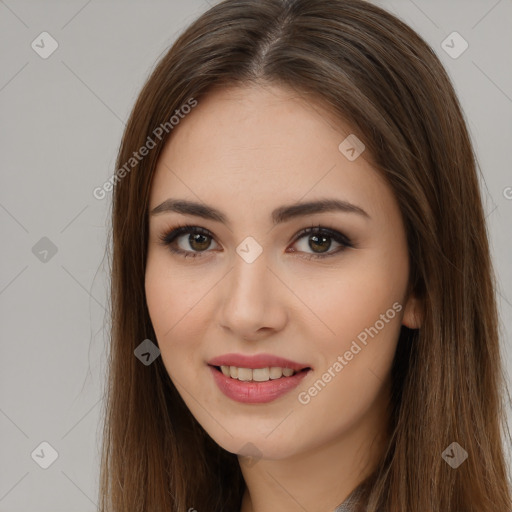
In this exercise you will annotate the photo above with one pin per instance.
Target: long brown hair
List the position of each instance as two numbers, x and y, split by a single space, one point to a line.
375 73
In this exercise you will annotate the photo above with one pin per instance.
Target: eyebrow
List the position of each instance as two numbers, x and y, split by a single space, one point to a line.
279 215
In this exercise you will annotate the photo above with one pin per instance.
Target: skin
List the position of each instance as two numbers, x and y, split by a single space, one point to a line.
245 151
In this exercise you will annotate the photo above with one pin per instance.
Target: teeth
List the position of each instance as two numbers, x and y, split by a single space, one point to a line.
276 373
261 374
244 374
256 374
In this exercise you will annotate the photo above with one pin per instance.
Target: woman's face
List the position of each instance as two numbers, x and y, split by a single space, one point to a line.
332 300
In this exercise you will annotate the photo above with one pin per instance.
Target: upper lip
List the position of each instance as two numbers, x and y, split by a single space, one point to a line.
256 361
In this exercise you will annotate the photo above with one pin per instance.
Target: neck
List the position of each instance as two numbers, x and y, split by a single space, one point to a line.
320 478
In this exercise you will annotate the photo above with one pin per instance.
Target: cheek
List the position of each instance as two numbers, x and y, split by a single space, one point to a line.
348 302
363 310
175 309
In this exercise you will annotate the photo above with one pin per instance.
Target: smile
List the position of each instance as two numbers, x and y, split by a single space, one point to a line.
258 385
256 374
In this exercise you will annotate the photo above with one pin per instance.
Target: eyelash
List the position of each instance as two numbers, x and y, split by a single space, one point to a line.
167 239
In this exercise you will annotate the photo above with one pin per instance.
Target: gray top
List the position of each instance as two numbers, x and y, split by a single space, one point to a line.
348 504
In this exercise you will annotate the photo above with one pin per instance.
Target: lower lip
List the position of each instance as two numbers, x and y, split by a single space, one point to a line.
256 392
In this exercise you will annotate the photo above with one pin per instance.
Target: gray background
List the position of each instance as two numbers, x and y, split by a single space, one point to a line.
61 123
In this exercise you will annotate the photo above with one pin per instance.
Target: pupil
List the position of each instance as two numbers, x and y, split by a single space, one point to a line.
315 238
196 239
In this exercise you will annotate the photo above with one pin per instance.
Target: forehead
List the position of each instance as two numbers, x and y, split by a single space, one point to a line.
262 145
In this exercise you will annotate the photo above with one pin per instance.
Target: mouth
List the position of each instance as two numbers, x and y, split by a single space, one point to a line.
256 385
258 374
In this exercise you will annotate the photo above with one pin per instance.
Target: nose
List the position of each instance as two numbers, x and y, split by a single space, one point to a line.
253 300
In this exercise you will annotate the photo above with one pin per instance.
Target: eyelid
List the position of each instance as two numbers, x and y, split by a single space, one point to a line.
318 228
167 237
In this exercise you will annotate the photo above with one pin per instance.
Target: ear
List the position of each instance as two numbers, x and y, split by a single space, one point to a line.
413 314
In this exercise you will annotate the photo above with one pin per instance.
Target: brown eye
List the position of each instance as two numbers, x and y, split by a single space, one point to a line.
319 240
198 240
321 243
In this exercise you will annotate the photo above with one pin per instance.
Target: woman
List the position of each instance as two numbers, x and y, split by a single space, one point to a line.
297 225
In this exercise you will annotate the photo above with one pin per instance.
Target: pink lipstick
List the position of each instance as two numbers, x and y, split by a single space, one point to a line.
256 379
